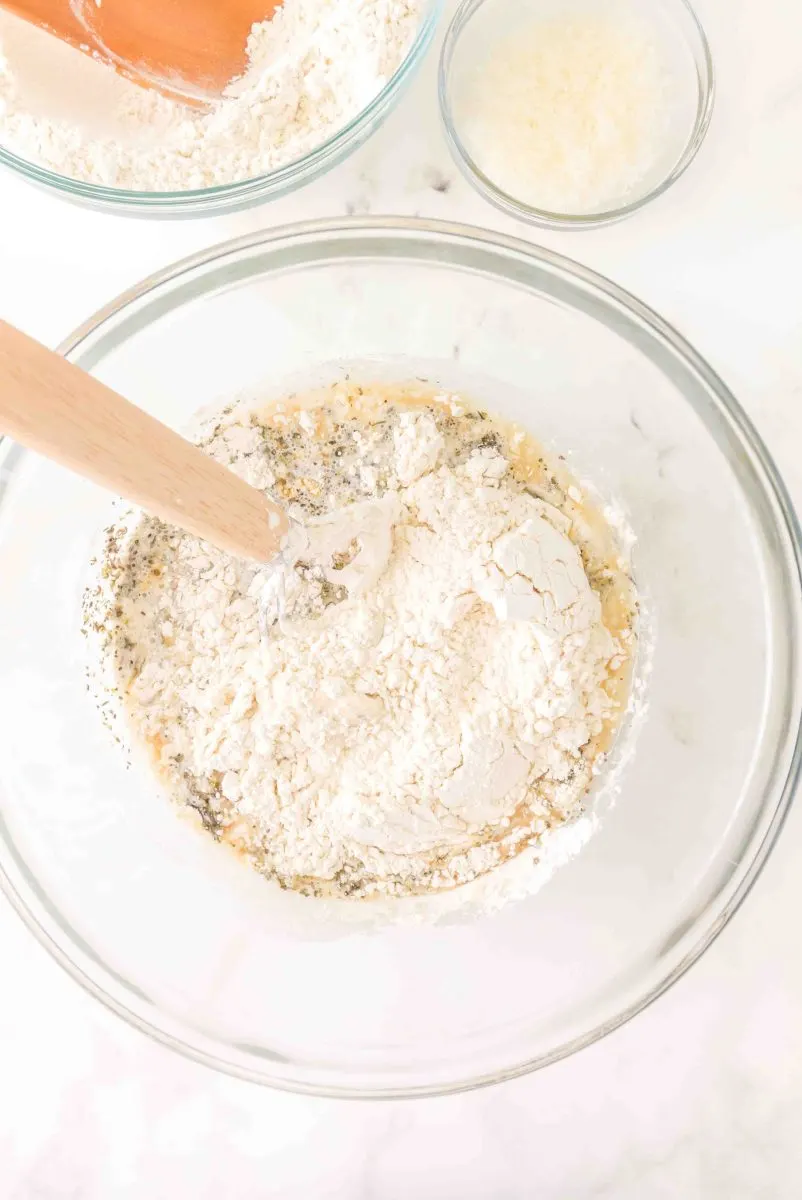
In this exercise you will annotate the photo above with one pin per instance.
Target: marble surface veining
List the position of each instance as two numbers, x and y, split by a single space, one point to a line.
700 1097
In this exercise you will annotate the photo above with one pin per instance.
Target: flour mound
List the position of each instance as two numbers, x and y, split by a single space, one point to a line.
428 729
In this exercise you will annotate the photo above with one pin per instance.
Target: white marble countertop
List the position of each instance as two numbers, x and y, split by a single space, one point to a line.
698 1098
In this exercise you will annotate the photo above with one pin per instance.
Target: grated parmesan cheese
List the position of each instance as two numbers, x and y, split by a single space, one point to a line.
569 114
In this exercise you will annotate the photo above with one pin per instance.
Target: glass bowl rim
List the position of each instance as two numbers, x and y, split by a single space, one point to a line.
228 196
544 218
35 908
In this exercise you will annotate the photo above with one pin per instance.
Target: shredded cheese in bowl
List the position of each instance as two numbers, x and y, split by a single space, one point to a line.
574 109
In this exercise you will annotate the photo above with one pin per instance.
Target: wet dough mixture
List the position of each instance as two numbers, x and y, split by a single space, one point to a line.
422 732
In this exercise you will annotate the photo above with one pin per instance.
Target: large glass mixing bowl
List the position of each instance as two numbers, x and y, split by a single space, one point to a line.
162 926
232 197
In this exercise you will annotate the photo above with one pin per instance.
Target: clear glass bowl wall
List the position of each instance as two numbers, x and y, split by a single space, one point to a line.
247 192
157 921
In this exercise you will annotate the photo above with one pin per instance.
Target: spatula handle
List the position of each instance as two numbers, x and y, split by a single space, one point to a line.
55 408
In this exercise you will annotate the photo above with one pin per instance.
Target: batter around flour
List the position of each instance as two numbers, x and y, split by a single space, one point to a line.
422 732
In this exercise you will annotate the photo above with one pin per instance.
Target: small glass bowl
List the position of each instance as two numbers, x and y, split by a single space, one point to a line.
683 43
245 193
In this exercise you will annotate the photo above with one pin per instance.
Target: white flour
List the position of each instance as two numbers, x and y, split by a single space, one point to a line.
427 730
312 68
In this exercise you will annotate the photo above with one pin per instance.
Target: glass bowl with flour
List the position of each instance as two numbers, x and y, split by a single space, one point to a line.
443 372
319 79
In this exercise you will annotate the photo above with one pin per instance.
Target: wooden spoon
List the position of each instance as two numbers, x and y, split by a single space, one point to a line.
55 408
186 49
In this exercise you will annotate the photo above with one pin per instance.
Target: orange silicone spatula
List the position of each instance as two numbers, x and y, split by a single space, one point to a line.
190 49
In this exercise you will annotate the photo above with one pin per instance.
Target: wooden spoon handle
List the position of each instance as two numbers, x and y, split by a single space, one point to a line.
55 408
